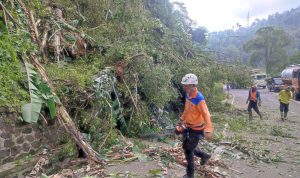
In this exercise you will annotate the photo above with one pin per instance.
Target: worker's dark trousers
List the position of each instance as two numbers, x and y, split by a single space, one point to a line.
189 145
284 107
253 104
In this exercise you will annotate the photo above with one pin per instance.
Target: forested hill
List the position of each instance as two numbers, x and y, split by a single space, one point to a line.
229 43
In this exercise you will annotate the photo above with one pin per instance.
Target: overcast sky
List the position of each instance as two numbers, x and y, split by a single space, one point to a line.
218 15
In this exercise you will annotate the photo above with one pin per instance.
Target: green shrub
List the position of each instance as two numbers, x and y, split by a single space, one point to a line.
13 90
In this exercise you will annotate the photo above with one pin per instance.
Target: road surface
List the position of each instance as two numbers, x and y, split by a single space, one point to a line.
287 148
270 104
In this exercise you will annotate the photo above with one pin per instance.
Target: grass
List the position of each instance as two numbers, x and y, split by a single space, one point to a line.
21 161
238 124
280 132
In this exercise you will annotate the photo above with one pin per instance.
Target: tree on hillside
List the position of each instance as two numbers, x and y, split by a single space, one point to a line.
199 35
295 58
270 43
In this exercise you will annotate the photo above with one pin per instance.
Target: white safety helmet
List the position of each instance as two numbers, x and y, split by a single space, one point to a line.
189 79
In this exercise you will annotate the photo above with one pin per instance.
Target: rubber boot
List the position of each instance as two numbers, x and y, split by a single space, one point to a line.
250 115
281 113
285 115
260 116
204 159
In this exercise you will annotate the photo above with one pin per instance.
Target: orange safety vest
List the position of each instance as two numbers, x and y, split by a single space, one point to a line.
253 96
196 115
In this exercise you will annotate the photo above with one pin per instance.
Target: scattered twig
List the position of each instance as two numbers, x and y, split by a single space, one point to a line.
41 162
5 20
123 137
44 41
235 170
9 15
110 130
34 26
136 90
133 100
45 120
129 123
53 34
70 27
135 56
108 11
123 160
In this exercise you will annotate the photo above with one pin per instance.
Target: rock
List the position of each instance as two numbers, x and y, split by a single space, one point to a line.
36 144
27 130
4 153
5 135
9 143
20 140
29 138
15 150
26 147
7 160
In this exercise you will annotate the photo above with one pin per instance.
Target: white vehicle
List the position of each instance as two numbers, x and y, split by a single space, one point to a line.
260 79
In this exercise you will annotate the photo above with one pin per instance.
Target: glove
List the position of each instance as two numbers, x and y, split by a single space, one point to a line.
179 129
208 136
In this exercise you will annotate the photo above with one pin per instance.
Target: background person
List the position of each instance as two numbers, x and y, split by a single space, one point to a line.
254 101
284 97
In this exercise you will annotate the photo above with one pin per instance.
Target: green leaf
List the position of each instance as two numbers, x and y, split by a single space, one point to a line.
86 136
44 176
39 93
52 108
31 112
142 157
45 89
155 172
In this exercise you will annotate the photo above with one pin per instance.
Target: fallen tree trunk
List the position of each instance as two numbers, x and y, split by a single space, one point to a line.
65 119
62 114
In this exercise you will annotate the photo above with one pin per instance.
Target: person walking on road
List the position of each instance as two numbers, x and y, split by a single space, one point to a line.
284 98
195 124
254 101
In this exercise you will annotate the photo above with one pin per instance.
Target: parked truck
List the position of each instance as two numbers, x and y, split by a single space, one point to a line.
291 76
259 78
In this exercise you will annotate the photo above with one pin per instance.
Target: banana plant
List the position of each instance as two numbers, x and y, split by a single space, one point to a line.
40 93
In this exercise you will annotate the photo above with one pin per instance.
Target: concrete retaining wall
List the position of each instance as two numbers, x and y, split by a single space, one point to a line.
18 139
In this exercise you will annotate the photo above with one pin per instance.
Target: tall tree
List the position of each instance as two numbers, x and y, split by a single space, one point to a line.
270 42
199 35
295 58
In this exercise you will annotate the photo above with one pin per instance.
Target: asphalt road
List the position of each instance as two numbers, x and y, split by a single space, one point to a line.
270 103
288 148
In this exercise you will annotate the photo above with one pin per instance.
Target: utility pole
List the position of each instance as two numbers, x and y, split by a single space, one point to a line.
248 19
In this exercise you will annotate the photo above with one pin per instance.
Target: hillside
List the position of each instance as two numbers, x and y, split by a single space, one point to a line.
230 42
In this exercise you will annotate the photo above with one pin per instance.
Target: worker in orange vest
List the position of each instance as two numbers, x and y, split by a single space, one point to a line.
195 124
254 101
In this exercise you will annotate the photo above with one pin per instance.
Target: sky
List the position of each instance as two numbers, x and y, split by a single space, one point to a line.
217 15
